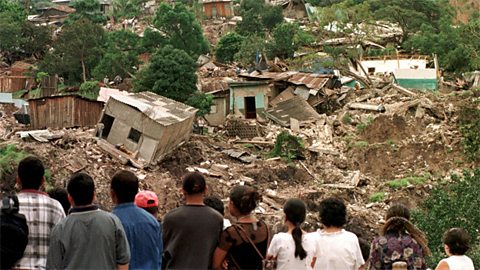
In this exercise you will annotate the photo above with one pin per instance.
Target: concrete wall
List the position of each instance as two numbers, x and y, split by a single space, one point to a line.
218 112
239 92
156 140
382 66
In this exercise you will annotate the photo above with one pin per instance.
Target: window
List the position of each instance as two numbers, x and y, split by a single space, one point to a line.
134 135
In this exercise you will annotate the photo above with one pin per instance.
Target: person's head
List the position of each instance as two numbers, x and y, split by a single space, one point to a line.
124 187
81 189
398 210
31 173
147 200
333 212
295 211
194 184
215 203
244 199
61 195
398 221
456 241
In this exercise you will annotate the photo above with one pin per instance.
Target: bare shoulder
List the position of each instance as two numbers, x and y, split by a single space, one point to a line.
442 265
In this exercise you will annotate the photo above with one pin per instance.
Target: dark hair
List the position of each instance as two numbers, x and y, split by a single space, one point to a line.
215 203
398 210
333 212
60 194
244 198
194 183
125 185
295 211
31 172
82 188
457 240
398 221
152 210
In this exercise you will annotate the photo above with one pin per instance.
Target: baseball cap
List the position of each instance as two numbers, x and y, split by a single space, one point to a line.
146 199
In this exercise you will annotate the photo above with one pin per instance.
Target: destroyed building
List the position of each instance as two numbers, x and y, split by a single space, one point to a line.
53 14
408 71
146 124
249 99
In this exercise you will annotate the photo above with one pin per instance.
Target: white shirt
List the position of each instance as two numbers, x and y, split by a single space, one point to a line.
283 247
338 250
459 262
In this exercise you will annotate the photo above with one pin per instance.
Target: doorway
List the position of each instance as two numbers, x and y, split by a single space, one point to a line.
250 108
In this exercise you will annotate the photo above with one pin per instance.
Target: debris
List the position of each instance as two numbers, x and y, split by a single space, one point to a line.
366 106
310 173
41 135
404 90
240 155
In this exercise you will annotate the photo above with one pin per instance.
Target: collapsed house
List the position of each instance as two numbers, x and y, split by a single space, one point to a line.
146 124
53 14
407 71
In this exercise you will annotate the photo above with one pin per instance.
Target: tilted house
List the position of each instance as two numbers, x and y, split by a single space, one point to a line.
148 125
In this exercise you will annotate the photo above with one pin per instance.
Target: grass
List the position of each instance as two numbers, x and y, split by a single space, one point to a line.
360 144
19 94
377 197
35 93
362 126
347 119
10 156
411 180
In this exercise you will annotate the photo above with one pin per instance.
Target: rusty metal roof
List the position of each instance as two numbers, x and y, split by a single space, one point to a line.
310 80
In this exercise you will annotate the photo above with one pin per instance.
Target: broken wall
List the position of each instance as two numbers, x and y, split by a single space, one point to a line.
218 111
238 93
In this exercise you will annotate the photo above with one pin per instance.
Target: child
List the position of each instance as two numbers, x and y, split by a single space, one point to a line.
294 249
456 243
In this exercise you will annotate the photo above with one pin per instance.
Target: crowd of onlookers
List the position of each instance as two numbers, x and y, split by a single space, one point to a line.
67 230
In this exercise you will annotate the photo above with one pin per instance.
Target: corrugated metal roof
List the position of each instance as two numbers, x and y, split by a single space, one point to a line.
310 80
160 109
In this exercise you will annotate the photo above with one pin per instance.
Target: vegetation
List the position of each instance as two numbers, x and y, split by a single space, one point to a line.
249 49
287 146
180 29
411 180
377 197
87 9
360 144
76 52
470 129
450 206
228 46
10 156
90 90
171 73
362 126
123 9
201 101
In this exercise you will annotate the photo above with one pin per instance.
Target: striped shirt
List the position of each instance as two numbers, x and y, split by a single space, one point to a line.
42 213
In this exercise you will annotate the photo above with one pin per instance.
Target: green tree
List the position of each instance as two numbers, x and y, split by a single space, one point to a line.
127 8
152 40
409 14
181 29
121 55
283 44
228 46
13 10
203 102
87 9
170 73
10 37
249 49
272 16
36 39
77 50
251 24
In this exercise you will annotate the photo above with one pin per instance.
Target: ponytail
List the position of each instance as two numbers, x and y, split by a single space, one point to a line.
297 238
295 211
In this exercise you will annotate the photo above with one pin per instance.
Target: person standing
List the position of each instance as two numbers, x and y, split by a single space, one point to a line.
244 244
191 231
456 244
143 230
88 238
294 249
41 211
399 241
336 247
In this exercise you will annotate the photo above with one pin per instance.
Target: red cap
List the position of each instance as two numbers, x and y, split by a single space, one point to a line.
146 199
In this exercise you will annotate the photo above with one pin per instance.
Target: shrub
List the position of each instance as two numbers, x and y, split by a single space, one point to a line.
90 90
10 156
454 205
470 129
287 146
377 197
228 46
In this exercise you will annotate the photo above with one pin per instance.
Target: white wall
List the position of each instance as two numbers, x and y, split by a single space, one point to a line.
382 66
